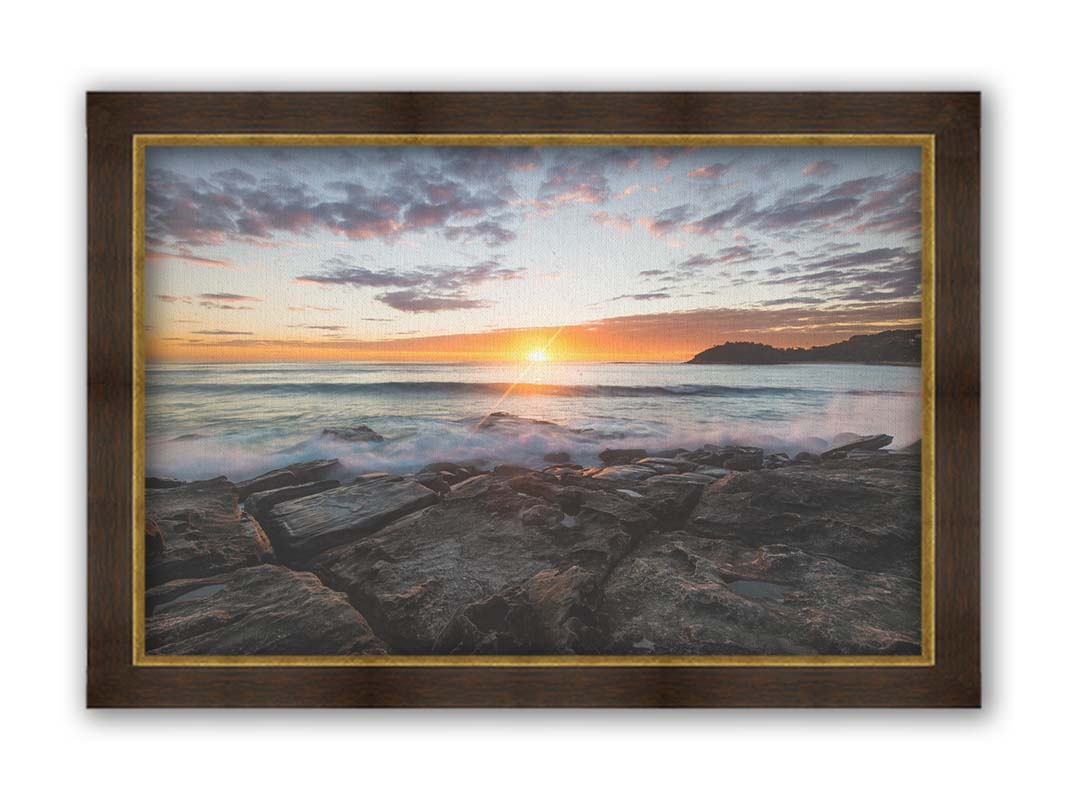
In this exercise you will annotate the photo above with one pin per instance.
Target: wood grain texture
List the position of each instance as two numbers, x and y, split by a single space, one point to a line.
113 119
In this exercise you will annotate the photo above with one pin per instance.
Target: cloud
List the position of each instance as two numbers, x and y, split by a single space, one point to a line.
341 274
458 192
675 335
712 223
873 275
698 260
815 238
731 254
414 302
228 296
225 301
223 333
425 289
792 301
889 204
581 176
666 221
224 306
235 176
340 271
573 183
492 166
895 209
620 221
898 256
886 285
415 201
321 327
853 189
820 169
799 192
186 256
833 247
183 210
641 296
901 221
789 215
772 325
743 254
492 233
714 171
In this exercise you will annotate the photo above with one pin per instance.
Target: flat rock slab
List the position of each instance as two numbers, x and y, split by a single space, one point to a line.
299 473
310 471
666 466
681 594
699 478
622 474
862 514
262 483
878 459
301 528
197 529
259 503
413 577
876 442
637 496
264 610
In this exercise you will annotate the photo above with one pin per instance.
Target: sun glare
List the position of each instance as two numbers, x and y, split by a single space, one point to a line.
537 355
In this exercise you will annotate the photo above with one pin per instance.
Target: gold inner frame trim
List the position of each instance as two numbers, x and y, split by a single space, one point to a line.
926 144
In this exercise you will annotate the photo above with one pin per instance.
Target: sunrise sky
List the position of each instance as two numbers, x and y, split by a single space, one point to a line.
461 253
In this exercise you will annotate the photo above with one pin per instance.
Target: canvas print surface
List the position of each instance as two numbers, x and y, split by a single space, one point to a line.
598 400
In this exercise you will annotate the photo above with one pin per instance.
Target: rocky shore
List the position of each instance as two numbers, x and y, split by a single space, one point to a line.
718 550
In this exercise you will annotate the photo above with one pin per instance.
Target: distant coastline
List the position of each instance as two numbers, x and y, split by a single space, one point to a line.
893 347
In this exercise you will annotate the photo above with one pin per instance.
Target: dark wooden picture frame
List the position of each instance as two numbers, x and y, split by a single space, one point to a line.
114 119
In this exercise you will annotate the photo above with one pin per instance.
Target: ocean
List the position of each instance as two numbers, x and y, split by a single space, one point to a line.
240 420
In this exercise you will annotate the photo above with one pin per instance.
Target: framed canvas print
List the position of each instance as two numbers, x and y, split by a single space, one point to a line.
533 399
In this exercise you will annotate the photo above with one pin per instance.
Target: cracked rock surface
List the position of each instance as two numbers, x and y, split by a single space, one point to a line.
720 550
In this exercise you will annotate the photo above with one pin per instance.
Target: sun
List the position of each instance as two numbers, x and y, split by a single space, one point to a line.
538 355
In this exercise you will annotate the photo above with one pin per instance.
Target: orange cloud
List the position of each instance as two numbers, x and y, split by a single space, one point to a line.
710 171
672 336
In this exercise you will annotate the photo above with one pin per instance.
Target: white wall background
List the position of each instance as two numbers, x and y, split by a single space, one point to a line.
1012 52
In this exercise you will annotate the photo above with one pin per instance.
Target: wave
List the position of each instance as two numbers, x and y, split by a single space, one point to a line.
462 388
